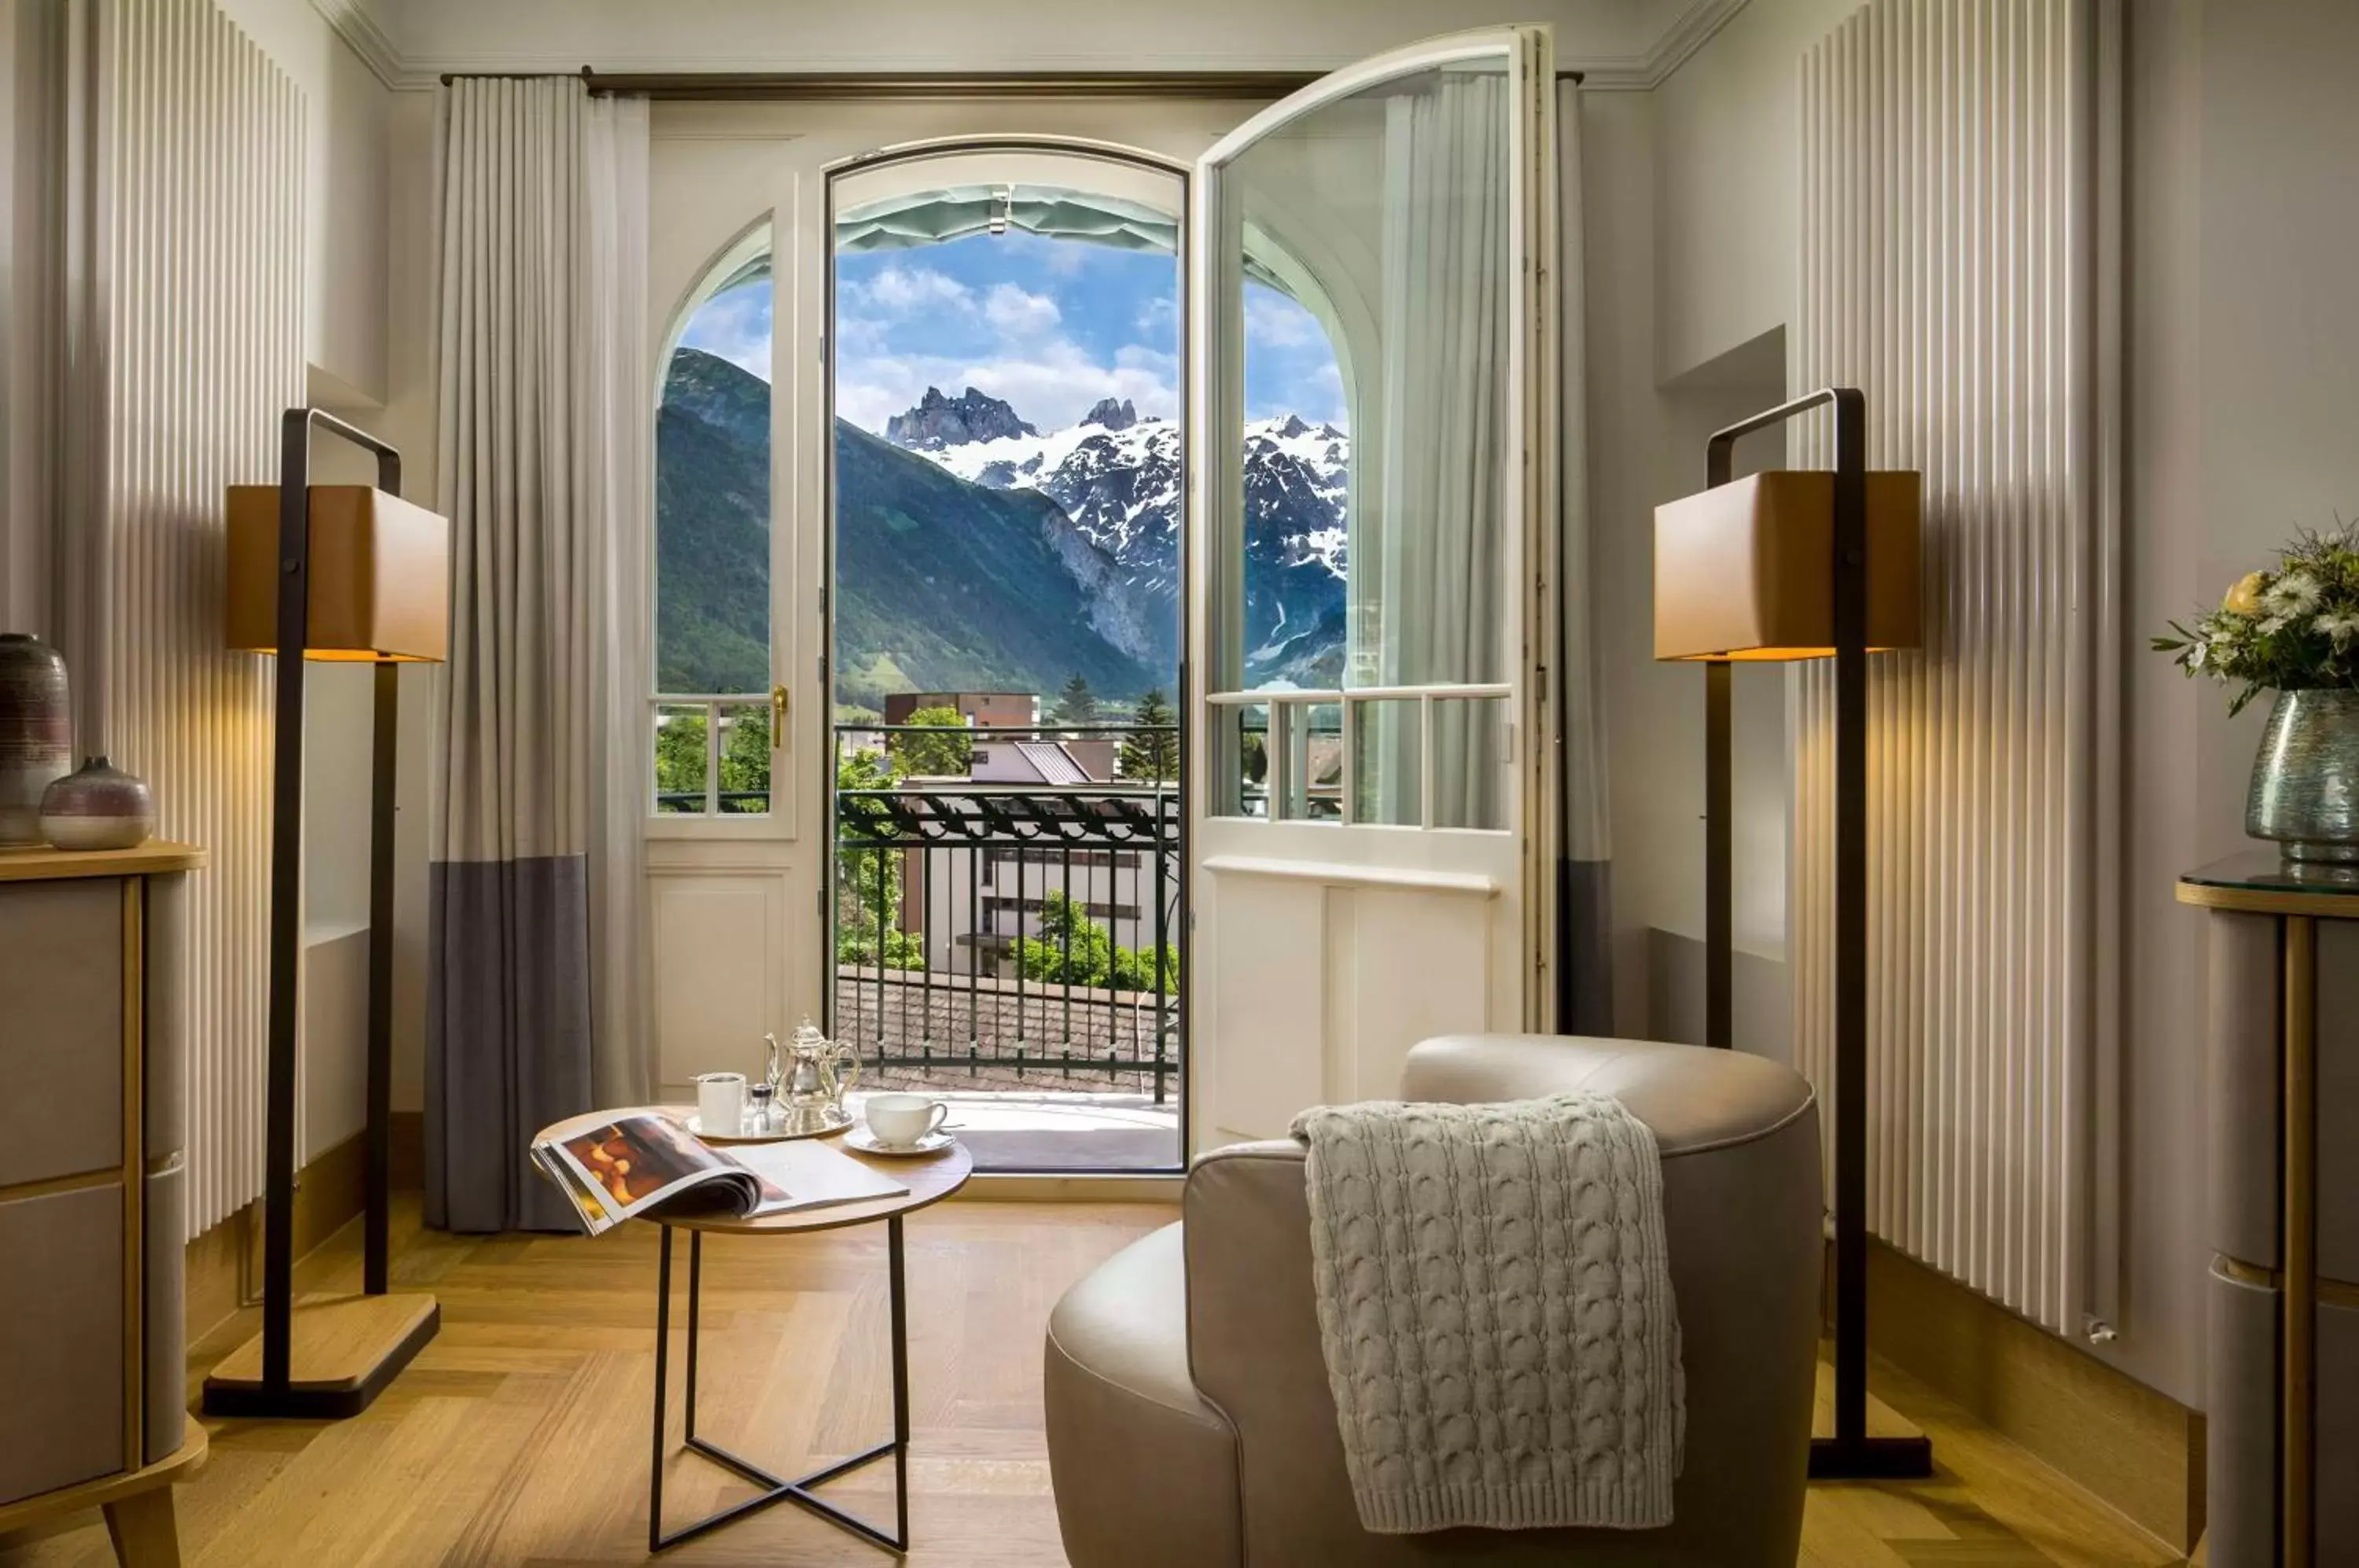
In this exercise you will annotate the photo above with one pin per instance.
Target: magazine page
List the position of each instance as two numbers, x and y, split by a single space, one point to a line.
806 1173
620 1169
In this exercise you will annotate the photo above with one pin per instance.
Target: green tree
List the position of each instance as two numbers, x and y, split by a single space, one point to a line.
1152 751
1074 949
745 760
1077 704
680 761
935 757
868 875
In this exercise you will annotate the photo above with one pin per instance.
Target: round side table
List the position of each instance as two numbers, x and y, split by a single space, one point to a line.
931 1179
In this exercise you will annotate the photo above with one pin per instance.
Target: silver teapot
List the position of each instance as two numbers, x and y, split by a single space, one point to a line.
810 1075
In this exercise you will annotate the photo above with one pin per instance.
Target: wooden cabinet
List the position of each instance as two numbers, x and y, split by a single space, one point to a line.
2282 1406
91 1170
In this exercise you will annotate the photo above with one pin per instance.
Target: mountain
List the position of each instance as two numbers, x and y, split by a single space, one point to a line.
1117 477
941 583
938 421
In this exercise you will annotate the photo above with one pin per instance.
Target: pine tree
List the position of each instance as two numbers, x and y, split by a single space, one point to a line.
1152 750
1077 705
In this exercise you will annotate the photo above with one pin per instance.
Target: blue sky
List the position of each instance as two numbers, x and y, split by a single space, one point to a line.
1049 325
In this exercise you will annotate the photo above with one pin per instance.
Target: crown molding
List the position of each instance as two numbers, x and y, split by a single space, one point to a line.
1689 32
357 22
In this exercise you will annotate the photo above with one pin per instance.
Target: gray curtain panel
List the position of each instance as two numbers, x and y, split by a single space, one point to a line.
1584 883
528 293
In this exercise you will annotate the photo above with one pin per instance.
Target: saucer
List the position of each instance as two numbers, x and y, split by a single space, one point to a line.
861 1139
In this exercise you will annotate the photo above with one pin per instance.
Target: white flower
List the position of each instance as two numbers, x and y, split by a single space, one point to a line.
2274 624
2195 654
2295 592
2341 627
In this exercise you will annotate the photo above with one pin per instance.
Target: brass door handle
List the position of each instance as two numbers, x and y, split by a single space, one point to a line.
778 704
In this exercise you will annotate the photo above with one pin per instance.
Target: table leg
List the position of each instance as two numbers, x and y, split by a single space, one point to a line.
777 1490
663 1356
900 1320
695 1294
141 1528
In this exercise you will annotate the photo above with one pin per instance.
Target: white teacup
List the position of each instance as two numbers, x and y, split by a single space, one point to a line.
899 1121
721 1102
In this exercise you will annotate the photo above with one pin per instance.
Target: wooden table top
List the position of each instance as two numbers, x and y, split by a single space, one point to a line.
40 864
930 1178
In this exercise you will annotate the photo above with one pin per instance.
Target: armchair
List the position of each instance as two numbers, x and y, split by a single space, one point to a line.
1190 1422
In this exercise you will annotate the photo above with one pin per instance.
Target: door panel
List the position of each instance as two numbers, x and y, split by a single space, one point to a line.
1366 716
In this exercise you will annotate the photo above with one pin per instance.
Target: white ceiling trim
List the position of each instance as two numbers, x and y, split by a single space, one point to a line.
358 24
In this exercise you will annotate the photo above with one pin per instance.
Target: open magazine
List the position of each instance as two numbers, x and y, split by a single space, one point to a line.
619 1169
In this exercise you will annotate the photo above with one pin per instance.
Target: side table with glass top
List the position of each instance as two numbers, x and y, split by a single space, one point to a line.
930 1178
2282 1415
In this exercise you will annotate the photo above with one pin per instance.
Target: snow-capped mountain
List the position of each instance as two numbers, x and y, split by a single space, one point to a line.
1116 475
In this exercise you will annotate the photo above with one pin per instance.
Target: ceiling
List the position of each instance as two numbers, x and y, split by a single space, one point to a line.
410 43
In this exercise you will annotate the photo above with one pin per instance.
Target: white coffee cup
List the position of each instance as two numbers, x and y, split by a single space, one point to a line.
721 1102
899 1121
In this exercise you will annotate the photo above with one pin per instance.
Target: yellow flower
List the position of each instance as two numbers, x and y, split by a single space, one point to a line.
2245 598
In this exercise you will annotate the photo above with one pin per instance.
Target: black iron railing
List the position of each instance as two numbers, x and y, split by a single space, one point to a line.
1017 919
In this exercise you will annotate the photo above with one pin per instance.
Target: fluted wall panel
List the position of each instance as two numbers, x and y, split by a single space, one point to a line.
1949 241
197 253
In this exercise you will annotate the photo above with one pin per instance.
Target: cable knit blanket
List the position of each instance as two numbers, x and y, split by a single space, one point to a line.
1495 1306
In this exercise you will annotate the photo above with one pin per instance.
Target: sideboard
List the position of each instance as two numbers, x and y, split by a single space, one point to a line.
2283 1391
91 1075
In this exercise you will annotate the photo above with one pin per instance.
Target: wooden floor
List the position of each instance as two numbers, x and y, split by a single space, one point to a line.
520 1435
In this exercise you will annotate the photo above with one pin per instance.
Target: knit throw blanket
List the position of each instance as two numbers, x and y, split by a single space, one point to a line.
1496 1311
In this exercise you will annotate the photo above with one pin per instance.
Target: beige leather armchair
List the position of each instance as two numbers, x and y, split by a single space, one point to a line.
1190 1424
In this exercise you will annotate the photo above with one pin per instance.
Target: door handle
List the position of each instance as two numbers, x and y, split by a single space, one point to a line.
779 704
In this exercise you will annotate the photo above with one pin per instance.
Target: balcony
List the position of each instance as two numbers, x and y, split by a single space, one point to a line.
1007 932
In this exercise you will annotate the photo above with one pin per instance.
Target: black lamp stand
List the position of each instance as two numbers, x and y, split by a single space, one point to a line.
1851 1453
370 1345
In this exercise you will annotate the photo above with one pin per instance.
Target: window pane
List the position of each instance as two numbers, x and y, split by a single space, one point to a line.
680 760
1248 792
712 490
746 758
1314 768
1366 530
1470 764
1388 740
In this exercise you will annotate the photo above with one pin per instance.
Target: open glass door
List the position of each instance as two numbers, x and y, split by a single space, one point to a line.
1371 751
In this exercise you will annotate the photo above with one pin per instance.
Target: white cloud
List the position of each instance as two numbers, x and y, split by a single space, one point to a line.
735 326
1276 321
1019 312
1160 317
901 290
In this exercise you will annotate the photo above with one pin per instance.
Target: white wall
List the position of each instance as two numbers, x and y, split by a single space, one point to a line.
2244 378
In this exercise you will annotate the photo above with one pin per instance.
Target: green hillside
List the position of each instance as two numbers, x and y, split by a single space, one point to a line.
941 584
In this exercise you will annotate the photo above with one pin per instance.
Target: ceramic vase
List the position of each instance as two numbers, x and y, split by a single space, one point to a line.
36 732
2305 791
98 806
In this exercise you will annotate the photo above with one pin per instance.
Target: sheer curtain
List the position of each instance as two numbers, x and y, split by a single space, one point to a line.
537 953
1433 606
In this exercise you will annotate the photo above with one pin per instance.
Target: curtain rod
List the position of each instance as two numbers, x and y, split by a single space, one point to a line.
823 86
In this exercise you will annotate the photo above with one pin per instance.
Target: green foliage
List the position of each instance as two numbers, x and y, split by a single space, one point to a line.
1077 704
745 759
1074 949
947 755
1154 755
2293 626
868 881
679 759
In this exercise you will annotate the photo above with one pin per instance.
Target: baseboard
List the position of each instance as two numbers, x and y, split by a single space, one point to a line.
2138 1451
222 1268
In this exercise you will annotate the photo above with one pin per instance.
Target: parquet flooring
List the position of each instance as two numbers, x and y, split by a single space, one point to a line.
520 1437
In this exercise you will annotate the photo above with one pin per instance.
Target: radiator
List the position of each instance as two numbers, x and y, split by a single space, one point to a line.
1952 226
194 327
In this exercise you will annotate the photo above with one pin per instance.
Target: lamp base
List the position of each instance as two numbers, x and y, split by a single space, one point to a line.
1872 1458
344 1350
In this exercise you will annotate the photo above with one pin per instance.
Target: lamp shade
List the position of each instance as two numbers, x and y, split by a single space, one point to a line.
1746 571
379 568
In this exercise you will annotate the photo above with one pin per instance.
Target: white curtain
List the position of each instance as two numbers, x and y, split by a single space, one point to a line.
1430 592
536 957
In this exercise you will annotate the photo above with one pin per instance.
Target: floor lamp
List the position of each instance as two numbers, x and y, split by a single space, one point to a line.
347 573
1790 565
